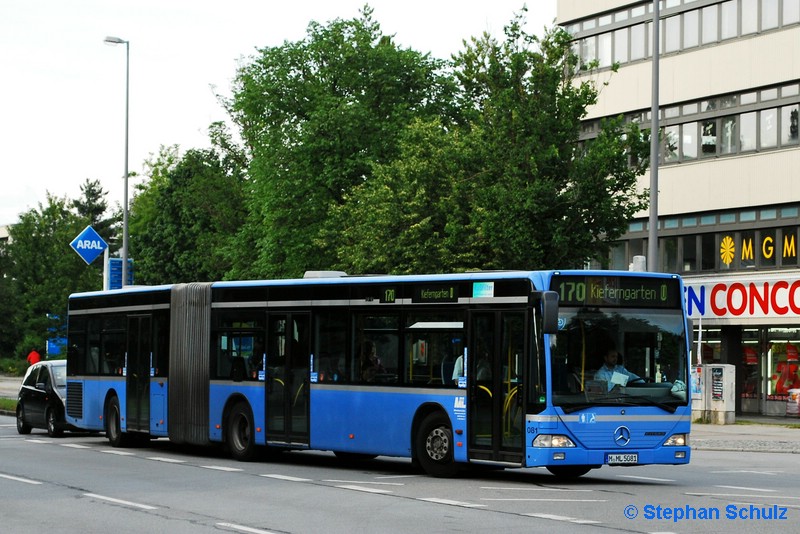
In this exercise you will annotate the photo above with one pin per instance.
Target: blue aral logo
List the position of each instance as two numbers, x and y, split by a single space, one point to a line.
88 245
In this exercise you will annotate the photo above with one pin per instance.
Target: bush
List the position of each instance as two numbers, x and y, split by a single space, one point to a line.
13 366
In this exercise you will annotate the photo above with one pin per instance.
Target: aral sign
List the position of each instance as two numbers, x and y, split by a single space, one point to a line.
88 244
745 297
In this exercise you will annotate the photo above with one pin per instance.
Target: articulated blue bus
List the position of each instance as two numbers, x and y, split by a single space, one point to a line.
497 368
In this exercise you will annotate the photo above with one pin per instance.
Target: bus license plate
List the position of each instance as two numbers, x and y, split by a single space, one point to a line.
630 458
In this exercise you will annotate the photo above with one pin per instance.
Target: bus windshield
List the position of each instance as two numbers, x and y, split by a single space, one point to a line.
619 356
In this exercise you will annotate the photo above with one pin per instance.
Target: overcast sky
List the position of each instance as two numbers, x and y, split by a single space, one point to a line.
62 90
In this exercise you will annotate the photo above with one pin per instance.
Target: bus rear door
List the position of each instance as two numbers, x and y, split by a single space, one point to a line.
139 354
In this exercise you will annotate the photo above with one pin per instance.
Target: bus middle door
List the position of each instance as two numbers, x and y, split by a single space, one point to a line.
287 378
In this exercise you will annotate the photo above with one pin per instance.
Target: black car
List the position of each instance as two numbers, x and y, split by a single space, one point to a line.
42 398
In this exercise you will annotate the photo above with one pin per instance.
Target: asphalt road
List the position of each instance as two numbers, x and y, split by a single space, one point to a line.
79 483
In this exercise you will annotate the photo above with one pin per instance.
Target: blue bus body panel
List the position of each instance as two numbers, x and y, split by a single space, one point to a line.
594 432
223 393
95 392
378 420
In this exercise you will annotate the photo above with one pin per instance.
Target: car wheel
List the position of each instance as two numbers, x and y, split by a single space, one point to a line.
22 426
53 429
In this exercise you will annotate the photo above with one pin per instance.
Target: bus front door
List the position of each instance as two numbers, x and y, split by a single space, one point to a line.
495 383
287 378
139 353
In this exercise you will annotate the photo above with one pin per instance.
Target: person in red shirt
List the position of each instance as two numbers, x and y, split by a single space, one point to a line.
33 357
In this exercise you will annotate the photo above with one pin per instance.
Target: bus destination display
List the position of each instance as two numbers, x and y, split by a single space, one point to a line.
616 291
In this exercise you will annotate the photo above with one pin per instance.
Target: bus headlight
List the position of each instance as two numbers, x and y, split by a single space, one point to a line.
552 440
677 440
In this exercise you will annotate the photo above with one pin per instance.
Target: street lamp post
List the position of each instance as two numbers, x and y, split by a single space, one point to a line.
117 40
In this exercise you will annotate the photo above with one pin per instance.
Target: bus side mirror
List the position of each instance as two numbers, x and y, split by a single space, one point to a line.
550 312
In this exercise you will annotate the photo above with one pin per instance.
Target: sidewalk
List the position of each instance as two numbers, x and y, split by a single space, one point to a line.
751 433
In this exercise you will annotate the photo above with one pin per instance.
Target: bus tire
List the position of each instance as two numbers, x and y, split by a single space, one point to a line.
569 471
433 446
240 433
116 437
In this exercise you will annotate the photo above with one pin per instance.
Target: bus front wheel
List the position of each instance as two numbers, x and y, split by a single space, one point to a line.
434 446
241 440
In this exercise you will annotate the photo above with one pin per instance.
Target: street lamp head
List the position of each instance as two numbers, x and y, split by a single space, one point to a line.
114 40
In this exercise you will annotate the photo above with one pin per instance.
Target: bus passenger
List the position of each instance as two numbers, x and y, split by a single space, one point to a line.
370 363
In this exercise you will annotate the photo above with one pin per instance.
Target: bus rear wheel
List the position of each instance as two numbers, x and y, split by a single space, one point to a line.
433 446
569 471
241 440
116 437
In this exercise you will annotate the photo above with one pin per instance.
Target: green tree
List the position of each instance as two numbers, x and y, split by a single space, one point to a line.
511 187
183 219
316 115
542 198
9 328
45 270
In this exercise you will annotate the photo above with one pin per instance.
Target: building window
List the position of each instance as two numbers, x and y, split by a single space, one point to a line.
728 141
710 24
691 29
768 122
689 253
708 252
729 20
747 129
769 248
621 45
748 250
788 247
789 124
709 138
749 16
791 12
672 34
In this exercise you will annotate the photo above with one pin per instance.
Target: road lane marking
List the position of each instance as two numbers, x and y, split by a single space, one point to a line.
242 528
364 482
75 446
365 490
746 489
120 501
25 480
166 460
544 500
564 518
554 490
38 441
451 503
287 478
653 479
222 468
770 473
785 497
119 453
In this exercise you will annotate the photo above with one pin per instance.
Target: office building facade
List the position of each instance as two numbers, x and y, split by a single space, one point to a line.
729 167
